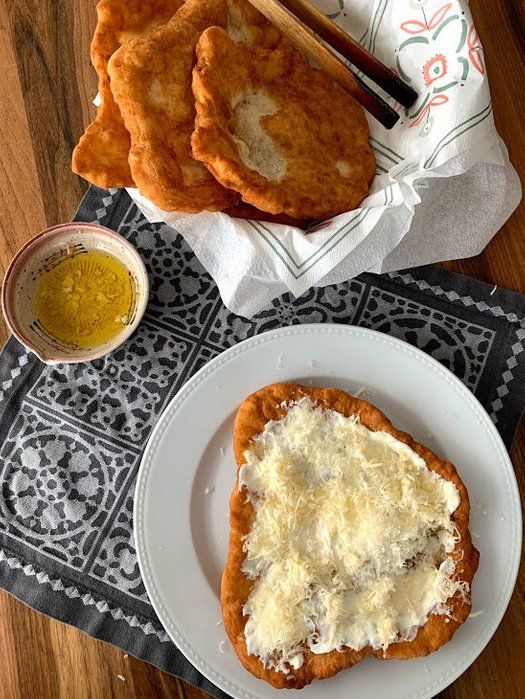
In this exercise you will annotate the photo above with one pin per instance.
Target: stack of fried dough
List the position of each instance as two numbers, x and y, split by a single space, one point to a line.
204 107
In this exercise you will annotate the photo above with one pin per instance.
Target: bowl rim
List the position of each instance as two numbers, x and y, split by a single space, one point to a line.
10 317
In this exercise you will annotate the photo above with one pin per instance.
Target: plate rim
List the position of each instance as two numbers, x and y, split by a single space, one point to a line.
168 415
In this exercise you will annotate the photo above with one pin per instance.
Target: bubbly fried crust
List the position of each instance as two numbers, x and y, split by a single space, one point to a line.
101 155
151 83
269 404
318 130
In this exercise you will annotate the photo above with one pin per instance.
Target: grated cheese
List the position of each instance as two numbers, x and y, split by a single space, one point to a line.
350 540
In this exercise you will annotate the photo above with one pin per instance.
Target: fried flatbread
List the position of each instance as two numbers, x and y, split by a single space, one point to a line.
101 155
151 82
270 404
284 135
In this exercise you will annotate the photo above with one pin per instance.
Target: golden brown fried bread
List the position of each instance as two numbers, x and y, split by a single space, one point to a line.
284 135
101 155
151 82
272 403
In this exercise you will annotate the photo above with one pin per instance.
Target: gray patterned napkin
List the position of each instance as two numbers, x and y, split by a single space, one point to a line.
73 435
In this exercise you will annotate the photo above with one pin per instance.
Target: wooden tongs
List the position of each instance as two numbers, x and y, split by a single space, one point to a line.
298 20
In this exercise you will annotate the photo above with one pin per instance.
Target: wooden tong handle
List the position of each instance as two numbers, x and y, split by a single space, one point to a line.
352 50
305 41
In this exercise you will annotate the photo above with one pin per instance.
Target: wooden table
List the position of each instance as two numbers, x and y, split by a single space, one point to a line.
47 86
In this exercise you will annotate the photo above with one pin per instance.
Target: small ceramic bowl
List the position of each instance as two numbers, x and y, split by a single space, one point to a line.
45 249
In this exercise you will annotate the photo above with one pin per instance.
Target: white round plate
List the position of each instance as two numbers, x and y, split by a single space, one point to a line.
181 529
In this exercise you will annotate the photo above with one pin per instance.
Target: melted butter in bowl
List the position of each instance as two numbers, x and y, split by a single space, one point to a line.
86 299
74 293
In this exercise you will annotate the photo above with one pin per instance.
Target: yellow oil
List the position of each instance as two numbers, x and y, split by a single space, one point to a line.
86 299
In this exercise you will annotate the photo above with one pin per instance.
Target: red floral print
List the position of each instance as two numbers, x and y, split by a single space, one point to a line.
414 26
434 102
475 52
434 69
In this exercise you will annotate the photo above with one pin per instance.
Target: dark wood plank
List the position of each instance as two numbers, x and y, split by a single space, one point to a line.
47 86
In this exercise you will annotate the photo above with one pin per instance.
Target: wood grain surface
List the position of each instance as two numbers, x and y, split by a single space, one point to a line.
47 85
